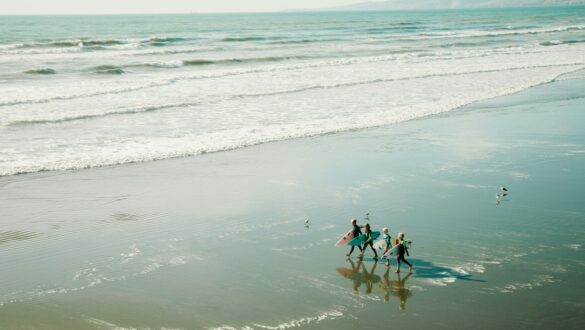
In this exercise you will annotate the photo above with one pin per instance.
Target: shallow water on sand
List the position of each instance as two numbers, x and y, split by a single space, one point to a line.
219 241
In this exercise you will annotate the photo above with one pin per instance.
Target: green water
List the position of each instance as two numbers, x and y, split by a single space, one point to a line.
219 241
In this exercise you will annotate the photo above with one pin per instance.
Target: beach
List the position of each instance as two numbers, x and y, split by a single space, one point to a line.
194 171
219 241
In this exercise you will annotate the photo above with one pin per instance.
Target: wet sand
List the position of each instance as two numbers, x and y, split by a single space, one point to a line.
219 241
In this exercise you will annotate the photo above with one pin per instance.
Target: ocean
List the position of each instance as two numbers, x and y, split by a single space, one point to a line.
88 91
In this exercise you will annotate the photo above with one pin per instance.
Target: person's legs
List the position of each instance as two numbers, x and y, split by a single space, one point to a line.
398 264
350 251
362 250
375 253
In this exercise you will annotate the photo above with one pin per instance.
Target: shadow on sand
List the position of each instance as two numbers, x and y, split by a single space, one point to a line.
426 269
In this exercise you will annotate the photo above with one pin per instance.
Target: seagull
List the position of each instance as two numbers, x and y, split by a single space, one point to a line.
504 189
368 216
307 223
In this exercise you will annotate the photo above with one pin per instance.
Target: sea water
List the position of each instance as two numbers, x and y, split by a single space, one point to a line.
88 91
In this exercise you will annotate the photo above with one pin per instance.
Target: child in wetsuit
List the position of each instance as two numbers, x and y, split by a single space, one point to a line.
356 232
386 237
369 241
402 249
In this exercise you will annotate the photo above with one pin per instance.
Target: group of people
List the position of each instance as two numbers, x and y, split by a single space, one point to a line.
369 241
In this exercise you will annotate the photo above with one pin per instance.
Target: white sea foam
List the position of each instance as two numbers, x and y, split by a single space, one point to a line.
444 281
199 129
512 287
468 268
322 242
169 64
170 110
484 33
575 246
468 60
296 323
520 175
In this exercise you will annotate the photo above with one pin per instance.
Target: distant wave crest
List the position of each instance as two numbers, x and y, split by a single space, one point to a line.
42 71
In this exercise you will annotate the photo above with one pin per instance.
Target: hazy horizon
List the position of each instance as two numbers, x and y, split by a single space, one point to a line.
111 7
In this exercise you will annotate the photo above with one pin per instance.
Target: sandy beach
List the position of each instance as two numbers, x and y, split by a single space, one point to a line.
218 241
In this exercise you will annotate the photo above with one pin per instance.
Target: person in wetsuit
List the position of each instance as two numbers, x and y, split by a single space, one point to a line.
388 239
369 241
356 232
402 249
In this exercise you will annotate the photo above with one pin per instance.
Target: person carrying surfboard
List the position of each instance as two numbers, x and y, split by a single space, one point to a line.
356 231
386 237
369 241
402 249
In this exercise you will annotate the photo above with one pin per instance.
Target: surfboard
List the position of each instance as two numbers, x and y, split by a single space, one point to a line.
394 250
380 245
360 239
345 238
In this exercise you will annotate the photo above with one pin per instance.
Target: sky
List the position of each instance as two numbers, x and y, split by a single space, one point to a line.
34 7
48 7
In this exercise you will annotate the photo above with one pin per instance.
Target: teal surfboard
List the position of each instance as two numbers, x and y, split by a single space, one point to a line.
360 239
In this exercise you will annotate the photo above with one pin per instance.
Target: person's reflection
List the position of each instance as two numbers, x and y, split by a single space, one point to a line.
370 277
357 279
359 275
396 288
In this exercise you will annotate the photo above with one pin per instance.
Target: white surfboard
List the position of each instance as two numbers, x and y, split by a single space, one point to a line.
380 245
394 251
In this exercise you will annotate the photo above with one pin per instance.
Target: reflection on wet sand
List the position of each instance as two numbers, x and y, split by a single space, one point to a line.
359 278
395 288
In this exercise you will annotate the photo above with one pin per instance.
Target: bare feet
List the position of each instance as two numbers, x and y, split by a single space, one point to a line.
397 271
